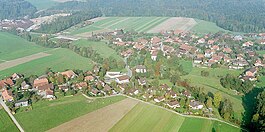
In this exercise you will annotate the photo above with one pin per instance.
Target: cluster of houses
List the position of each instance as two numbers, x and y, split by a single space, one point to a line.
20 25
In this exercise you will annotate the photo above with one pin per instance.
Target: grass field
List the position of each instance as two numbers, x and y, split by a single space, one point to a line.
139 24
206 27
100 47
48 114
212 84
6 124
59 60
144 118
13 47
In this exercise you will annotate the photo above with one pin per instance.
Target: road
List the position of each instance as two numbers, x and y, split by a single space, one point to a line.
127 67
11 115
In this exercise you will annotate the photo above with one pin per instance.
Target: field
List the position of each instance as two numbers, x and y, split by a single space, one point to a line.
13 47
212 84
48 114
59 60
100 47
144 118
206 27
99 120
6 124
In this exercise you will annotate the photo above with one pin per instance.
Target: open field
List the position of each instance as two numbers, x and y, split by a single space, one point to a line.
100 47
59 60
174 23
13 47
12 63
206 27
145 117
49 114
6 124
43 4
100 120
212 84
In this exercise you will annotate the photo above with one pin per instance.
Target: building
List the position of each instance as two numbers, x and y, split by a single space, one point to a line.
123 79
140 69
7 95
22 103
195 105
173 104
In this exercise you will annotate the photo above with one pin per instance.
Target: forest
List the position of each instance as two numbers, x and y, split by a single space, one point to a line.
14 9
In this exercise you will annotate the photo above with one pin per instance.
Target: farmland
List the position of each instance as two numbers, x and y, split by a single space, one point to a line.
13 47
150 118
61 110
206 27
6 124
59 60
100 47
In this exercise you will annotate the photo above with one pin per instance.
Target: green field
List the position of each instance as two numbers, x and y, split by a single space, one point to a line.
100 47
139 24
59 60
212 84
48 114
13 47
6 124
43 4
145 118
206 27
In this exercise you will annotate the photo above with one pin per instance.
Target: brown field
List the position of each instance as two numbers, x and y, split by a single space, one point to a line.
12 63
100 120
174 23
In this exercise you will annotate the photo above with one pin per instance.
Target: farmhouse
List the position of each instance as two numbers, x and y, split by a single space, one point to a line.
173 104
186 93
89 78
24 86
46 91
7 95
140 69
63 87
81 85
251 72
123 79
6 83
21 103
40 82
196 105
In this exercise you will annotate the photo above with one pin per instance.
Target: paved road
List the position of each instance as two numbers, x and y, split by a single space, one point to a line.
127 67
10 115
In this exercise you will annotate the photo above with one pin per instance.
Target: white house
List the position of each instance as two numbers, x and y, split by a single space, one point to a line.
173 104
196 105
123 79
140 69
159 99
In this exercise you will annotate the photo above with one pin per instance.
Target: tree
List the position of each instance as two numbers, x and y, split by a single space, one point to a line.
217 99
258 119
174 78
209 102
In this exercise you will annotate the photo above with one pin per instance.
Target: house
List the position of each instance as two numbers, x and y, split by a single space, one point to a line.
159 99
46 91
172 94
69 74
113 74
139 46
186 93
24 86
147 96
195 105
248 44
142 41
227 50
164 87
107 88
81 85
6 83
15 76
155 40
201 41
197 61
251 72
64 87
210 42
22 103
94 91
7 95
140 69
142 81
40 82
123 79
154 55
89 78
238 38
133 92
173 104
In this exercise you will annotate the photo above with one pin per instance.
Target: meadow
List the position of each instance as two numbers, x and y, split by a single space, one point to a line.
6 124
13 47
139 24
59 60
207 27
43 4
48 114
99 46
144 118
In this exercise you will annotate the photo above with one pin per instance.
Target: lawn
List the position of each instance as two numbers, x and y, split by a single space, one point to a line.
144 118
59 60
206 27
6 124
139 24
48 114
99 46
212 84
13 47
261 52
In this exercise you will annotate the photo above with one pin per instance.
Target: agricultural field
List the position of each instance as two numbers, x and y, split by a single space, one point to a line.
6 124
13 47
212 84
53 113
206 27
58 60
99 46
144 118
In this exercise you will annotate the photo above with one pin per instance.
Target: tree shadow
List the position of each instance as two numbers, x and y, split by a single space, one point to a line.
249 103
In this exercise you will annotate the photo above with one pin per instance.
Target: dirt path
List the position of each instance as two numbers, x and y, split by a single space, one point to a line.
100 120
12 63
